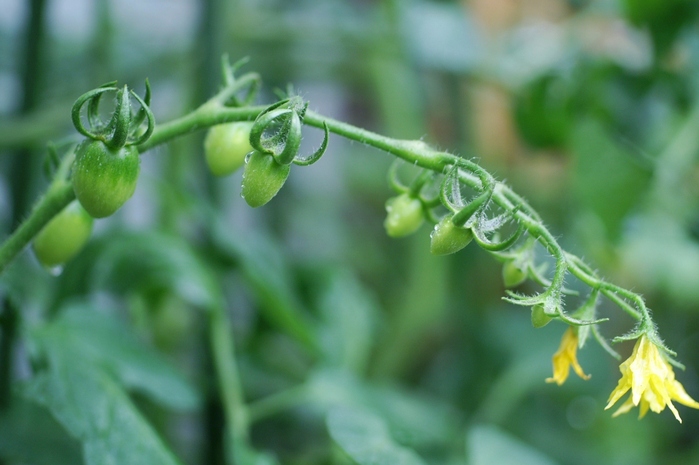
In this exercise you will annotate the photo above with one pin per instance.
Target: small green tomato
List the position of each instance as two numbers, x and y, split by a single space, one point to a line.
404 215
104 178
226 146
262 179
447 238
539 316
512 274
63 236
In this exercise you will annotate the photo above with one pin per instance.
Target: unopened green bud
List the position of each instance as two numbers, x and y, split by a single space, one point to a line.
404 215
64 236
262 178
539 316
447 238
226 146
512 274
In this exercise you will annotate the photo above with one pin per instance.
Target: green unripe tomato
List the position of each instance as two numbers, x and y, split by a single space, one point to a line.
262 178
539 316
226 146
404 215
512 275
104 178
447 238
63 236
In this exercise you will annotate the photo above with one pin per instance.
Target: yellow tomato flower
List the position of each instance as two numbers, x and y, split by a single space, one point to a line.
651 380
565 357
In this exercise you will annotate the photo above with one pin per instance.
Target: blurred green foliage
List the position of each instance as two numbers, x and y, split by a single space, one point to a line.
351 347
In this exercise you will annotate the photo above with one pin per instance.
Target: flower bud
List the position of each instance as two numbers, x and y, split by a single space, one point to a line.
262 178
512 274
539 316
404 215
447 238
226 146
64 236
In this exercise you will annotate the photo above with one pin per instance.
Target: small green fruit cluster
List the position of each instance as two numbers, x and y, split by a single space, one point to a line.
227 148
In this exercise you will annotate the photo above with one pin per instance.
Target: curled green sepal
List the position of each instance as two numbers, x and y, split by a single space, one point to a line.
309 160
525 300
393 179
92 117
576 321
462 216
149 117
142 113
123 127
121 120
284 144
491 246
267 145
587 311
603 342
450 186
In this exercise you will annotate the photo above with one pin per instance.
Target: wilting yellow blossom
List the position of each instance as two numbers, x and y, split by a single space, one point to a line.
651 380
565 357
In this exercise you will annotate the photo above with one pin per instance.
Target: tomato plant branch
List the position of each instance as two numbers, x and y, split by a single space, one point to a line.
213 112
420 154
226 107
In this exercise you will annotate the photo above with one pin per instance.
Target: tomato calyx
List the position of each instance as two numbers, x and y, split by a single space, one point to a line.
277 132
124 128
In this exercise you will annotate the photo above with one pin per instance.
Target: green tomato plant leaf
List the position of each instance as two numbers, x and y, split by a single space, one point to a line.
155 260
266 269
487 445
366 438
414 419
29 434
349 315
104 341
607 179
93 408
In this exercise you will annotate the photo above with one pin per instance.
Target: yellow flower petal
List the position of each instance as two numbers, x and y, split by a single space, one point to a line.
565 357
651 380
